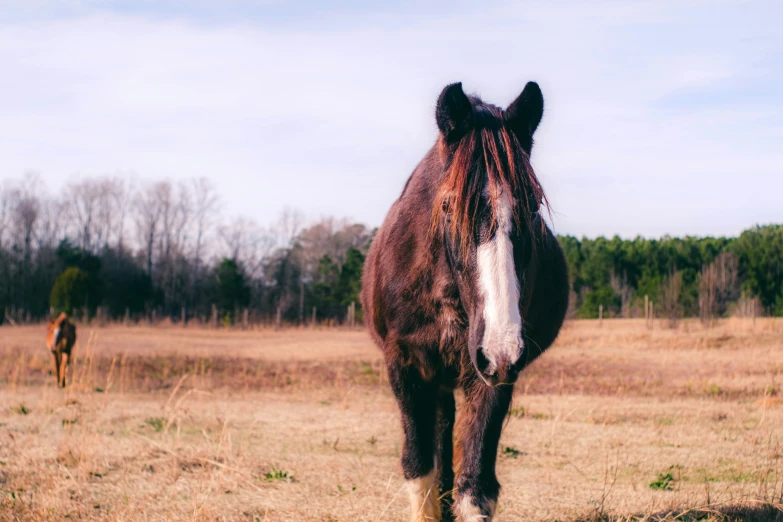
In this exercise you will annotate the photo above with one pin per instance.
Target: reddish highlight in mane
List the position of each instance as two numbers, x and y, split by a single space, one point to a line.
496 153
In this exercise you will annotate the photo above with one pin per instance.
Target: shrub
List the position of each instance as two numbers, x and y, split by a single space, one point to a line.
72 290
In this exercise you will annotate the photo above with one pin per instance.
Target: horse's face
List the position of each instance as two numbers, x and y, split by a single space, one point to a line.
52 335
486 207
54 331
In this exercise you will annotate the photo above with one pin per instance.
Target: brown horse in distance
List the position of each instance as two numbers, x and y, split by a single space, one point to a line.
60 338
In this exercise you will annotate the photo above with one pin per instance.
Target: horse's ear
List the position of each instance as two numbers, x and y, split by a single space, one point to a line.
524 114
454 113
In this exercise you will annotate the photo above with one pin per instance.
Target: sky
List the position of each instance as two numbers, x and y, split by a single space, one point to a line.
661 117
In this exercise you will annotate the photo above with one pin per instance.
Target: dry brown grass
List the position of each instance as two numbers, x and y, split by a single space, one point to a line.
299 425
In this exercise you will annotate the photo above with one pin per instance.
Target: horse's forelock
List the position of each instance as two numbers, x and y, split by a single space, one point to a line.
492 149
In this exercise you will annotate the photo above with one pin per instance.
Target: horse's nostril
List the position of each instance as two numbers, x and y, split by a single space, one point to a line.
482 363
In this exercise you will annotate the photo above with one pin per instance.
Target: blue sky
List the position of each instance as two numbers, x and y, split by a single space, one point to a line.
661 117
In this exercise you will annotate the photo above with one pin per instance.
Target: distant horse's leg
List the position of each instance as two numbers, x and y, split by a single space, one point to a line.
477 485
445 451
66 366
417 401
57 357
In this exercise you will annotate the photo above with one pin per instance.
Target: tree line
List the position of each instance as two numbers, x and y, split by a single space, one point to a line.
119 249
702 277
116 248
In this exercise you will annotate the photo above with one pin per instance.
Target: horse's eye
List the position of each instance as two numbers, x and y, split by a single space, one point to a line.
446 206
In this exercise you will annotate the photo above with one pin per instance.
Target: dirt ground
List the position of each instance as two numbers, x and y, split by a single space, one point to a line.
617 421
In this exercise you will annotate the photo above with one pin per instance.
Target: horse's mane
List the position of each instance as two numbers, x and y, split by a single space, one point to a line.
488 148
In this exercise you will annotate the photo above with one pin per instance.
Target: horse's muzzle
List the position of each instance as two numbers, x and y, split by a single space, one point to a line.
501 371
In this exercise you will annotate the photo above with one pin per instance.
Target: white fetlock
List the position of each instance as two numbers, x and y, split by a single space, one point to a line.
466 511
425 498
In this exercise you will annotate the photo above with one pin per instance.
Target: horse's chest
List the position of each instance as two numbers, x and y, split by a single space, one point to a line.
449 324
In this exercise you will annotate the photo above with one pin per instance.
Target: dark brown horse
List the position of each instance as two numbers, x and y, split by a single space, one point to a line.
464 286
60 338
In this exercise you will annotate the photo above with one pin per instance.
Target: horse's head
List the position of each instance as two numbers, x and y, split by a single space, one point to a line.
53 331
486 211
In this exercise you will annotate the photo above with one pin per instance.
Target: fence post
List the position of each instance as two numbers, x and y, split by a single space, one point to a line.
646 310
214 316
600 315
127 316
244 319
184 317
652 312
313 322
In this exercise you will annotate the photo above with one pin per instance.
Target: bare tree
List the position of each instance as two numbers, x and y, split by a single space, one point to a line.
26 211
113 201
206 203
147 206
25 204
247 243
672 288
51 228
718 286
174 205
5 213
622 289
84 201
287 227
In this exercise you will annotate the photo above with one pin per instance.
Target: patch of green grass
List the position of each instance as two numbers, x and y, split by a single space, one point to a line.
713 390
667 479
664 421
664 482
156 423
21 409
744 476
278 475
517 412
511 452
345 490
541 416
372 440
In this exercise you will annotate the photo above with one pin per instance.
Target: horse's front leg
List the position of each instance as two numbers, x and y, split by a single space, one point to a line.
66 365
445 451
57 360
417 401
480 422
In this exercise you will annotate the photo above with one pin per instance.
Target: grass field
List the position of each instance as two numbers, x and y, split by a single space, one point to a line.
618 421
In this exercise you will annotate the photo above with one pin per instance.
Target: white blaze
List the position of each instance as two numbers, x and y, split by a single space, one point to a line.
497 279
